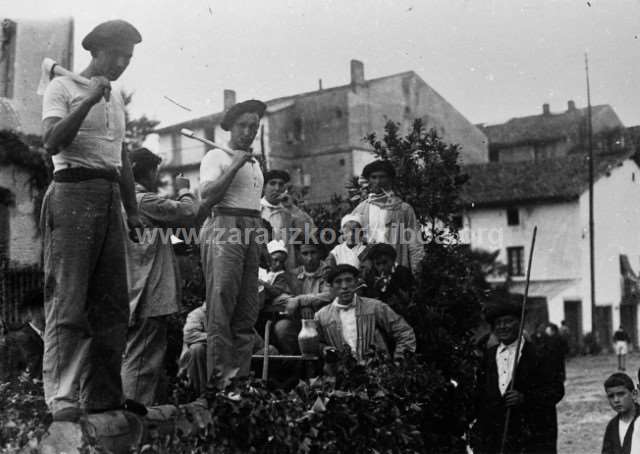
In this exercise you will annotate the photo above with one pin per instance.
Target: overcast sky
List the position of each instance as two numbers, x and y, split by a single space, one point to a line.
492 59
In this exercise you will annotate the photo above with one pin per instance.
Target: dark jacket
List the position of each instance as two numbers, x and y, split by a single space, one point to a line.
395 291
611 441
530 430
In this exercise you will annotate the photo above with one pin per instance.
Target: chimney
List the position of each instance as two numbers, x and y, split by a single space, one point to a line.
571 106
229 98
320 84
545 109
357 72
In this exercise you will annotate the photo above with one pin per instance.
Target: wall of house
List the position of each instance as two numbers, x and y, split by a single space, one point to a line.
25 246
557 252
35 40
404 98
616 231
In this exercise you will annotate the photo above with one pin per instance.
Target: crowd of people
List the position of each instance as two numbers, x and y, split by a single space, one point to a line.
109 291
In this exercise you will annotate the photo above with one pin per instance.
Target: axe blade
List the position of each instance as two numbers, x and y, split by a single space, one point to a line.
47 74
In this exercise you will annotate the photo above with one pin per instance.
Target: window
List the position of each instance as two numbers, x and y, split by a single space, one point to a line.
515 261
7 57
513 216
338 113
297 129
457 221
342 162
494 155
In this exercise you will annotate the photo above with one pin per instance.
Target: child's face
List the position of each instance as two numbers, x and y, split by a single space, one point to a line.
352 233
278 260
621 398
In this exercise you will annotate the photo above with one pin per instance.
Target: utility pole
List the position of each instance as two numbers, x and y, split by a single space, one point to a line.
592 273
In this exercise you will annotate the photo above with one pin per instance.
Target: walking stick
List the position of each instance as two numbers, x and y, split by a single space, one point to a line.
519 344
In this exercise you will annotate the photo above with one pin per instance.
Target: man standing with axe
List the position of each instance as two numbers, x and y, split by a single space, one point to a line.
231 187
86 298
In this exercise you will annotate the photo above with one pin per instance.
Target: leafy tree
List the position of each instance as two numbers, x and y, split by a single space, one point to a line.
137 129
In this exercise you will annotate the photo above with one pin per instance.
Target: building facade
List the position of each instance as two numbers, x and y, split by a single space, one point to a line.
506 200
319 136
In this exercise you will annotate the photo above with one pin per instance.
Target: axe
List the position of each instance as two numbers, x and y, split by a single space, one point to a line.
51 69
190 134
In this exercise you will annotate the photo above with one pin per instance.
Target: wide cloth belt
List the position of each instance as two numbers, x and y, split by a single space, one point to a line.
226 211
77 174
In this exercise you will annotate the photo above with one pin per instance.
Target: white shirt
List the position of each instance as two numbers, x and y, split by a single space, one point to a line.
623 426
377 224
505 355
348 324
635 438
98 144
346 255
244 191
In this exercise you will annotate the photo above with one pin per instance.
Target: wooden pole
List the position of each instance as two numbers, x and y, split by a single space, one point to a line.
592 272
519 342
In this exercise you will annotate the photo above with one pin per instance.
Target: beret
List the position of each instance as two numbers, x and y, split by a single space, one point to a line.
506 305
379 166
379 249
111 33
341 269
277 246
251 106
273 174
144 156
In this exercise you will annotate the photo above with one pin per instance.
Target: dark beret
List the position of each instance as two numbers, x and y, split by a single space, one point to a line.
504 305
341 269
251 106
280 174
379 249
381 165
111 33
144 157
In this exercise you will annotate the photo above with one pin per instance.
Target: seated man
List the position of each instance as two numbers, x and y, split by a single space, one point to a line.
309 283
357 323
277 281
193 360
388 281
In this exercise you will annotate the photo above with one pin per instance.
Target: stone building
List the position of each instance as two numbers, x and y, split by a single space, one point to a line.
318 136
553 135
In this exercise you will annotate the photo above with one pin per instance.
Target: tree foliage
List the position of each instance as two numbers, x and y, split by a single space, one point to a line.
137 129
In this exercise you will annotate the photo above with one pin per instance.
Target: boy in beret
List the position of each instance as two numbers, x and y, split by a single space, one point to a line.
535 392
231 188
357 323
153 275
86 302
387 219
288 221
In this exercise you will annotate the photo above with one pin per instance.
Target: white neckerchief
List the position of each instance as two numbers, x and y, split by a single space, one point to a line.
265 203
348 323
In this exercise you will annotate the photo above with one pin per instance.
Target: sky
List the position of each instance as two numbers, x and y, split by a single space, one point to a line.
491 59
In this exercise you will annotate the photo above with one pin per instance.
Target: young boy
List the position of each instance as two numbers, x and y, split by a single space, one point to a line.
621 394
388 281
348 252
276 281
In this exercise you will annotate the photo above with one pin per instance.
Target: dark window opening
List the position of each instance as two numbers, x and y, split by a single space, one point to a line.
338 113
457 221
494 155
7 57
515 261
513 216
297 129
341 162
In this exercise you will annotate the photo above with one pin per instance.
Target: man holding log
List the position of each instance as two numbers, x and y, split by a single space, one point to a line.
231 187
86 301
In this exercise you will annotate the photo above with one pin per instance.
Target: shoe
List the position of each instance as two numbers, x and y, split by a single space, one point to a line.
69 414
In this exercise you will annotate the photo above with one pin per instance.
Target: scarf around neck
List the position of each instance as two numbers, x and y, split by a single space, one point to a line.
386 200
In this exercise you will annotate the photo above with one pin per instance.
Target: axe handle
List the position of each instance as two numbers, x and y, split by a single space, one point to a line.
58 70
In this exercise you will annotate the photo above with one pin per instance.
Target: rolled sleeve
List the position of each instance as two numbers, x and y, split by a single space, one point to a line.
56 100
170 213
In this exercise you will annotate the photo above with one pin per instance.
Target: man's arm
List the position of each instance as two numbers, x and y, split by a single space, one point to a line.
402 334
170 213
59 131
212 191
193 331
128 194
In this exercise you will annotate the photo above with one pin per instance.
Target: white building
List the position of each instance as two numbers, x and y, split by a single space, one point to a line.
507 199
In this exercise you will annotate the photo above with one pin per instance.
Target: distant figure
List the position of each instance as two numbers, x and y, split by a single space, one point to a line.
621 346
388 281
621 394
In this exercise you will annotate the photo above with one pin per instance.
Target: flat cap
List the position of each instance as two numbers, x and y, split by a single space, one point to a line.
111 33
144 157
380 249
251 106
279 174
381 165
341 269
